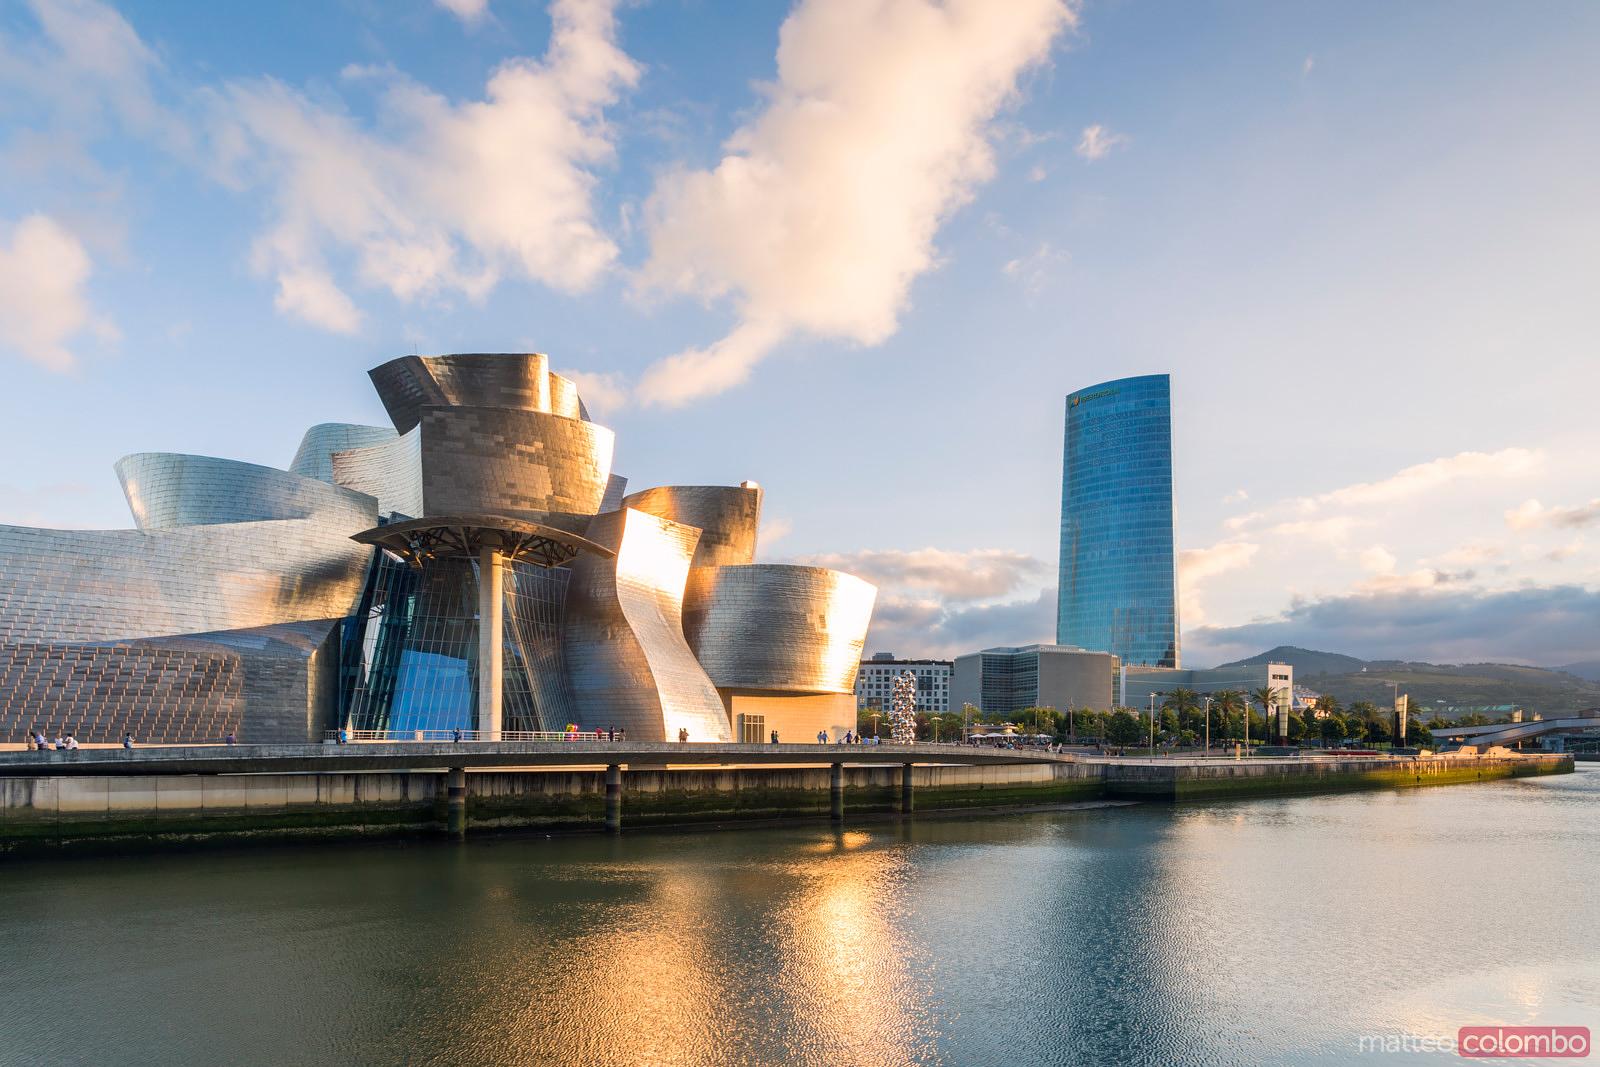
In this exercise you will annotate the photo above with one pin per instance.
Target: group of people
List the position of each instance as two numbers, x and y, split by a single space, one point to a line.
849 737
69 743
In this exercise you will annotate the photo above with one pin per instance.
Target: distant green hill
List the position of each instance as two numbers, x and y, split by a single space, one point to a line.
1588 669
1549 692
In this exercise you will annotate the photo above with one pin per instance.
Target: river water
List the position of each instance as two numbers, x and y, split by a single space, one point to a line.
1269 931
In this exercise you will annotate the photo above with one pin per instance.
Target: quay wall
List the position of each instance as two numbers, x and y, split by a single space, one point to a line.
84 813
1226 779
46 812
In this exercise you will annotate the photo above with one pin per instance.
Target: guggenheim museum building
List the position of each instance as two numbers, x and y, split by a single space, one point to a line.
478 566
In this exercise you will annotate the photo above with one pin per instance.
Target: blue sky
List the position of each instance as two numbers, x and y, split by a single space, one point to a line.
860 250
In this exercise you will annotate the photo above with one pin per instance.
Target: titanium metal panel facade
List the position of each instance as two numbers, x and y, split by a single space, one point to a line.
524 464
166 489
103 585
1118 575
314 457
244 603
780 627
390 472
627 662
522 381
274 684
726 515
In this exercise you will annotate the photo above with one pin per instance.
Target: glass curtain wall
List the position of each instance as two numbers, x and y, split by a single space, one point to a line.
411 653
1118 581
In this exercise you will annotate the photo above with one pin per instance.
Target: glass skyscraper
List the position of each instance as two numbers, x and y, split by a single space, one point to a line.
1118 590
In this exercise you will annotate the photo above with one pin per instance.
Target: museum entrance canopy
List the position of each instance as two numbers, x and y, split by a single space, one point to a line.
437 537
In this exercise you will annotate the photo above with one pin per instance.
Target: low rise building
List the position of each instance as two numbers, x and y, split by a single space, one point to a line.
875 682
1136 685
1004 681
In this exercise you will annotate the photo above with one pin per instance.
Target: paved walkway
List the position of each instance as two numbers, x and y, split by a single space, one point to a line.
429 755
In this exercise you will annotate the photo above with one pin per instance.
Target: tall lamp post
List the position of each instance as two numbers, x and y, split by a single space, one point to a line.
1208 726
1153 723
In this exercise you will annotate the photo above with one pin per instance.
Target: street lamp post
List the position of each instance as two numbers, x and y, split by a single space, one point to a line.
1153 724
1208 726
875 717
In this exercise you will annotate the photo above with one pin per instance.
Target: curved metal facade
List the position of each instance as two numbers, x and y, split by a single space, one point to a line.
525 464
166 489
97 585
627 661
244 603
727 516
522 381
391 472
1118 578
314 457
770 626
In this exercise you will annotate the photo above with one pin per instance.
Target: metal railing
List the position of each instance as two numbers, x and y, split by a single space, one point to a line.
355 736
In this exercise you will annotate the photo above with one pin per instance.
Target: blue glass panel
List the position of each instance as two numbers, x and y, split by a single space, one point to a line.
1118 581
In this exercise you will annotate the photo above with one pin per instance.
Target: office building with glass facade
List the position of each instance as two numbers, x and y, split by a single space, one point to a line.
474 567
1118 573
1004 681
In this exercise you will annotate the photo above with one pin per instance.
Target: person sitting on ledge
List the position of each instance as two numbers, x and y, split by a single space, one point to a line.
127 740
230 739
71 744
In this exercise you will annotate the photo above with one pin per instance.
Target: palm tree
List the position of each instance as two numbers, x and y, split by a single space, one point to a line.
1183 703
1228 703
1268 698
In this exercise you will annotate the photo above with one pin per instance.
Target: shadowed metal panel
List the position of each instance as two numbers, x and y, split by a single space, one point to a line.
490 380
778 627
270 684
727 516
166 489
391 472
314 457
97 585
627 662
525 464
616 486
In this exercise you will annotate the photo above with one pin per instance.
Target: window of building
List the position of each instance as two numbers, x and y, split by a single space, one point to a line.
752 729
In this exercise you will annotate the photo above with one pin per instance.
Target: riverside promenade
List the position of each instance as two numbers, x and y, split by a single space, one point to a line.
124 797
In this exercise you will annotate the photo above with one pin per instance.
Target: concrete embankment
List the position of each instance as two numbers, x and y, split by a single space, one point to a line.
87 812
48 812
1227 779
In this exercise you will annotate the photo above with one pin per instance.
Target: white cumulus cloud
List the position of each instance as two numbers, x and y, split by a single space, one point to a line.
1425 477
43 307
978 574
436 196
823 210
